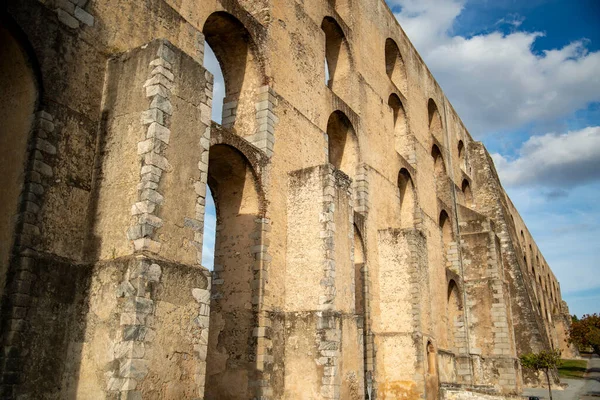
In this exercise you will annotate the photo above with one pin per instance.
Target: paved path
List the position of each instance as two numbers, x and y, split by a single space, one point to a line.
578 389
592 380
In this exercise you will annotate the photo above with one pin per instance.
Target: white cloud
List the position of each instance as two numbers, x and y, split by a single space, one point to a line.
427 21
494 80
554 161
566 231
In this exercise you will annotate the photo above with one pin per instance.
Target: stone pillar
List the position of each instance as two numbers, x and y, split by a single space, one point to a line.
321 271
484 281
402 289
147 325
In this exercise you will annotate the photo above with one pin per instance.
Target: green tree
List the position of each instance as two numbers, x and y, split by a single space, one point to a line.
545 360
586 332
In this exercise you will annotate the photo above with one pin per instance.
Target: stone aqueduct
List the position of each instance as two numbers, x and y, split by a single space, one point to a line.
364 245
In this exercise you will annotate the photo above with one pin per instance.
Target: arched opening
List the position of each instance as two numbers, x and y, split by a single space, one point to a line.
18 97
407 198
461 155
446 231
337 56
431 361
342 143
454 316
359 275
210 230
230 354
466 189
212 64
435 120
394 65
439 168
235 51
399 121
523 240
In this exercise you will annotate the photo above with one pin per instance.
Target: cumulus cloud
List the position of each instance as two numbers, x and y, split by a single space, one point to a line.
495 80
557 161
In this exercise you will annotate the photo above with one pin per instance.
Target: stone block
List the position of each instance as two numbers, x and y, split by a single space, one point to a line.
67 19
84 16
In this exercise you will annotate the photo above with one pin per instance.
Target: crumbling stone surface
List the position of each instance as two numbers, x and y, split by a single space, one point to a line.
364 243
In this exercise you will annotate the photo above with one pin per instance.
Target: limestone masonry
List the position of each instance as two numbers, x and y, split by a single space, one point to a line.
365 247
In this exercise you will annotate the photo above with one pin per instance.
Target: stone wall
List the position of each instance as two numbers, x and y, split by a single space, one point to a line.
364 246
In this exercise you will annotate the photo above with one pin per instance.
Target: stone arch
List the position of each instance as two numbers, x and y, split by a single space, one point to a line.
233 316
445 230
399 121
407 198
256 159
337 53
359 264
523 239
461 154
343 150
439 168
20 91
394 65
238 57
454 315
431 358
435 119
467 193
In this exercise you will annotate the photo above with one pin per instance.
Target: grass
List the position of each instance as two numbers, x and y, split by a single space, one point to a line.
572 369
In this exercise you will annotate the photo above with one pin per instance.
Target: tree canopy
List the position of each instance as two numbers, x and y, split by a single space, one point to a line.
544 361
586 332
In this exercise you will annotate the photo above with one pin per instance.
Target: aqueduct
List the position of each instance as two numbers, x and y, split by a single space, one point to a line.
365 247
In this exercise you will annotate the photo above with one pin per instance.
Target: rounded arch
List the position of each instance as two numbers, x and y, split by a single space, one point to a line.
407 198
394 65
235 50
445 229
435 119
431 358
454 315
230 172
399 120
438 161
454 291
343 149
237 203
238 56
467 193
337 52
20 86
461 154
359 276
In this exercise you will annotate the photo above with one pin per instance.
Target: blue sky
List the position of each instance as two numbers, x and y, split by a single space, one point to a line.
525 78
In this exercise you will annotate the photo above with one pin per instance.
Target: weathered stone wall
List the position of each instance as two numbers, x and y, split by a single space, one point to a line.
364 243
